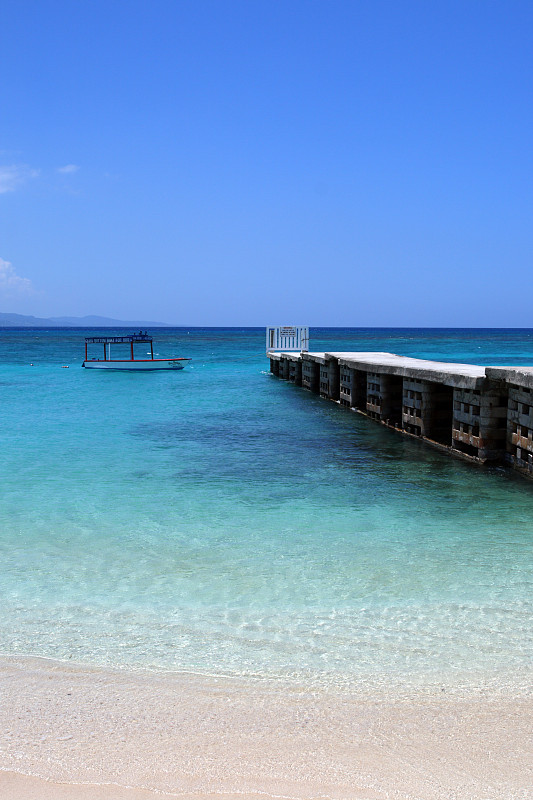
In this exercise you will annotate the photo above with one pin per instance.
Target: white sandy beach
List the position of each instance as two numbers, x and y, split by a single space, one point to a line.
71 733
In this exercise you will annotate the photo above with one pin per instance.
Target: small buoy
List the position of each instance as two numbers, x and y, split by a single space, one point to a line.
31 365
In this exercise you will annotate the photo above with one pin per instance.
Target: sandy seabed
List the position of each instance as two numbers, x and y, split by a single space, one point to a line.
75 733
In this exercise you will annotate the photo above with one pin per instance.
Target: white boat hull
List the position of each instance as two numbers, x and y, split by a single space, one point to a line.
138 364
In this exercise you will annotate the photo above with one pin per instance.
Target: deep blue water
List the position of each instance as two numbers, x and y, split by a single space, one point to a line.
222 521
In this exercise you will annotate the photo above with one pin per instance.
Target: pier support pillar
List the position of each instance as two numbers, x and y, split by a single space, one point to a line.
352 387
310 374
479 427
520 429
295 371
384 398
329 379
428 410
373 395
346 380
284 368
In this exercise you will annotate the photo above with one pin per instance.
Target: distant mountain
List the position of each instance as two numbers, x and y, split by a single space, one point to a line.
23 321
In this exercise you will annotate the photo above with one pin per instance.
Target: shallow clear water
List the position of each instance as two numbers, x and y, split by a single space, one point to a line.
222 521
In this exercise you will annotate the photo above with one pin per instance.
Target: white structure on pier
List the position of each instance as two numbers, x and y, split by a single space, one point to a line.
288 338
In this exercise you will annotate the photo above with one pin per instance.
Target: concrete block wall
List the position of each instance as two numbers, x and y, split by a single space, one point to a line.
427 410
324 380
384 398
287 367
373 395
466 418
414 407
330 379
310 374
520 428
284 368
391 400
346 381
479 425
295 372
493 423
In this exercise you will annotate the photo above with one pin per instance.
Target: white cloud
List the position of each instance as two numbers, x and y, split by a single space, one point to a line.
14 175
68 168
10 282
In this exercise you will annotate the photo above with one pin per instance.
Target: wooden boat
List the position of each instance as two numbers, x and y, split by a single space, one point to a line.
130 363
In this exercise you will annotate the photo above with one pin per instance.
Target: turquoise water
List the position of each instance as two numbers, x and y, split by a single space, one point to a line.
221 521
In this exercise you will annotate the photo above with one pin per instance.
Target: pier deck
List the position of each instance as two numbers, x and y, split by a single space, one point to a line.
483 414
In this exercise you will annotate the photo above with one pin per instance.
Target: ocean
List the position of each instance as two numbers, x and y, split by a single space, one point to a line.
219 521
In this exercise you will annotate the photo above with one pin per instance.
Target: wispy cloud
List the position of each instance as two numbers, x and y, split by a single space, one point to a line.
10 282
14 175
68 168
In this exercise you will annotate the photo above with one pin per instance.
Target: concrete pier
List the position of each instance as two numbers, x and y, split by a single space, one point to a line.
482 414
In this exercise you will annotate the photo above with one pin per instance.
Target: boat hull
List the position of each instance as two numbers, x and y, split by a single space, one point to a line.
138 365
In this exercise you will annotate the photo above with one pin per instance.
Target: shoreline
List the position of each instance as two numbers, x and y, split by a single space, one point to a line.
15 785
84 732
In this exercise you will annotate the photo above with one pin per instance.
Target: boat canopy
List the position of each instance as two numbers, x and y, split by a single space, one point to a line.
142 336
130 339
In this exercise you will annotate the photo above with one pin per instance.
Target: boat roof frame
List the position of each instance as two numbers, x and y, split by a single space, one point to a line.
132 337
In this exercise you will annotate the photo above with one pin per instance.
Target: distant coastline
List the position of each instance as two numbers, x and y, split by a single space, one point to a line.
91 321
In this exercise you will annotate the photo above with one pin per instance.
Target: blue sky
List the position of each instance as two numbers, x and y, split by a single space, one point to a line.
245 163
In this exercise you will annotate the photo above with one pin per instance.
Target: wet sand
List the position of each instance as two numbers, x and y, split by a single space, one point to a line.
87 734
